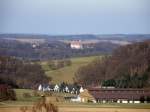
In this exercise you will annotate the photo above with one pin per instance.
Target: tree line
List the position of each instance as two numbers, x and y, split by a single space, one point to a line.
127 67
20 73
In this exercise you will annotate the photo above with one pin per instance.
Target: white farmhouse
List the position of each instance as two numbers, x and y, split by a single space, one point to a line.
56 88
40 87
81 89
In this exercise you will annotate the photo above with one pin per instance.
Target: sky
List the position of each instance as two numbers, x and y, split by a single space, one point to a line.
59 17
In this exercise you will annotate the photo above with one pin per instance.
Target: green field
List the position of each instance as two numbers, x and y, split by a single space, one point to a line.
67 106
22 101
66 74
20 95
30 100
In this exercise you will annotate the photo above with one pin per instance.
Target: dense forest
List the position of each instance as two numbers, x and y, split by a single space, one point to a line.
21 74
127 67
51 50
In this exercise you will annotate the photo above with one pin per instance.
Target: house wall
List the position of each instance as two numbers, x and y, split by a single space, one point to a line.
76 46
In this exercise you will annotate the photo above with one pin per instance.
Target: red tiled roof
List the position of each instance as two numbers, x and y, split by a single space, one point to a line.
116 93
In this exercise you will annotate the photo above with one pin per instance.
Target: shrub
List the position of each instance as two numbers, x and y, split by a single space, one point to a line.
43 106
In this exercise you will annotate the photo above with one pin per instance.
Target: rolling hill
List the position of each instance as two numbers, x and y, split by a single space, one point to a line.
66 74
41 47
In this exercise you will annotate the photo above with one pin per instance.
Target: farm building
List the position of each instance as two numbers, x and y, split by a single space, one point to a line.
84 97
120 95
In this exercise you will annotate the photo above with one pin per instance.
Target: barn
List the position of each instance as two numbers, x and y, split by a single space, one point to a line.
120 95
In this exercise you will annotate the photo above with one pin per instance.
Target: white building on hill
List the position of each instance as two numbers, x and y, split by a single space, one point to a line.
76 45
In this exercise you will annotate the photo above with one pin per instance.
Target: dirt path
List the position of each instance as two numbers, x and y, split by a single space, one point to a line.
73 109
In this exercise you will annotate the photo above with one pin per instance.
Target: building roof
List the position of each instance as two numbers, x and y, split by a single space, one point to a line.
86 94
118 89
117 93
76 43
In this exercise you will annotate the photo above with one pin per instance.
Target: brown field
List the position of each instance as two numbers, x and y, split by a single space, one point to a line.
81 109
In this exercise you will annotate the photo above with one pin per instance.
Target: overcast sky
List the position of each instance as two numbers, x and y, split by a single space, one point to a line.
57 17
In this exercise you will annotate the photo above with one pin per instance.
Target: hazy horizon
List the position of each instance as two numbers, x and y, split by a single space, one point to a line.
73 17
73 34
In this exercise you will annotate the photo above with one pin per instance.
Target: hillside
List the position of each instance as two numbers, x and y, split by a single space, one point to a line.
66 74
128 67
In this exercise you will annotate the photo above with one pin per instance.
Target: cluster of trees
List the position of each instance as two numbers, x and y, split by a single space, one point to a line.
6 93
127 67
20 73
128 81
50 50
57 64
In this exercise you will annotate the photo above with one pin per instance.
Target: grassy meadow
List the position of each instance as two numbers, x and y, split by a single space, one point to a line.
66 106
67 73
